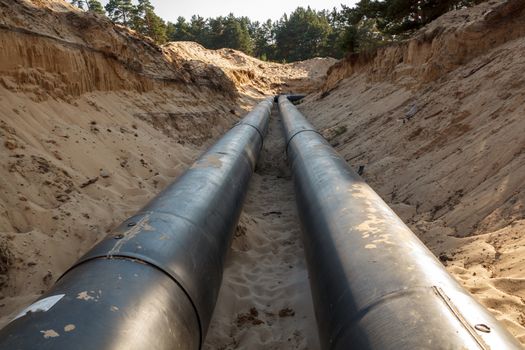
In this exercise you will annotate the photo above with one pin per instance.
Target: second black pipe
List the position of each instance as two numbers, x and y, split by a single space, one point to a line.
374 283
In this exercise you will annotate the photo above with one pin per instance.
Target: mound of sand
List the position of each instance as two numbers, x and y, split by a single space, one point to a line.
256 77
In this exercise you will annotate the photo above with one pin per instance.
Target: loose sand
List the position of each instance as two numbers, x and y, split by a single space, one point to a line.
72 172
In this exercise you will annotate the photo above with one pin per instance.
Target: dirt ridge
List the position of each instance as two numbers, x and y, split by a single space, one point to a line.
67 53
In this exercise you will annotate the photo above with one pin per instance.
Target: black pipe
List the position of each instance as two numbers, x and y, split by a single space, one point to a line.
153 282
291 98
374 283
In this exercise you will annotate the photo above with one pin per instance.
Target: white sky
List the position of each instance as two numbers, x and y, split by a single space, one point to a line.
259 10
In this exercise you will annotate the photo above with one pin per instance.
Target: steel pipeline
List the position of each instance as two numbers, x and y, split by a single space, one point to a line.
374 283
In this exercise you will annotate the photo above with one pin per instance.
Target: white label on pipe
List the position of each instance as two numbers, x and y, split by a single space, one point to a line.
40 305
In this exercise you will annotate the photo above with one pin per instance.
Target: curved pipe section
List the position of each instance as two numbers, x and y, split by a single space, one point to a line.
153 282
374 283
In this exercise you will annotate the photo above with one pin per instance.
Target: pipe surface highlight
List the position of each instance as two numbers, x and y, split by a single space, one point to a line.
153 282
374 283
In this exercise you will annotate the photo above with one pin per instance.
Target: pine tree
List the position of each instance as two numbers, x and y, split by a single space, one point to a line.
121 11
235 34
401 16
96 7
144 6
78 3
180 31
201 30
155 27
146 22
302 35
139 15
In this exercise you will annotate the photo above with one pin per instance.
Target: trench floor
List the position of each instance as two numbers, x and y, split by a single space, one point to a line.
265 300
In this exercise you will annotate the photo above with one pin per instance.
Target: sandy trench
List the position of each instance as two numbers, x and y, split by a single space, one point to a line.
59 134
265 300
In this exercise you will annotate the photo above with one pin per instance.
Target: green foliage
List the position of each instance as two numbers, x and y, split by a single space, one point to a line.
141 17
146 22
303 34
89 5
214 33
401 16
263 39
235 34
155 27
78 3
96 7
180 31
121 12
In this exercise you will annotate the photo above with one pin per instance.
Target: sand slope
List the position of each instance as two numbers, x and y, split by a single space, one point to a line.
72 172
256 77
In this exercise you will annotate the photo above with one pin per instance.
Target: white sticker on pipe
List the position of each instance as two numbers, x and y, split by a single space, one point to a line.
42 305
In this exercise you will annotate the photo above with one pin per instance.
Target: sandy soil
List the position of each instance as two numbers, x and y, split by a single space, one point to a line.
72 172
254 78
265 300
90 130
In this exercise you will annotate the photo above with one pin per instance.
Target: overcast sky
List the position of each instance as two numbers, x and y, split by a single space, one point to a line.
259 10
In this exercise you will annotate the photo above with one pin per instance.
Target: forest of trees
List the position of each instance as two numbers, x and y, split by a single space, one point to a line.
303 34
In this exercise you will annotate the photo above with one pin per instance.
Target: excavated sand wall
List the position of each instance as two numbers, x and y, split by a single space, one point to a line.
447 43
58 51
